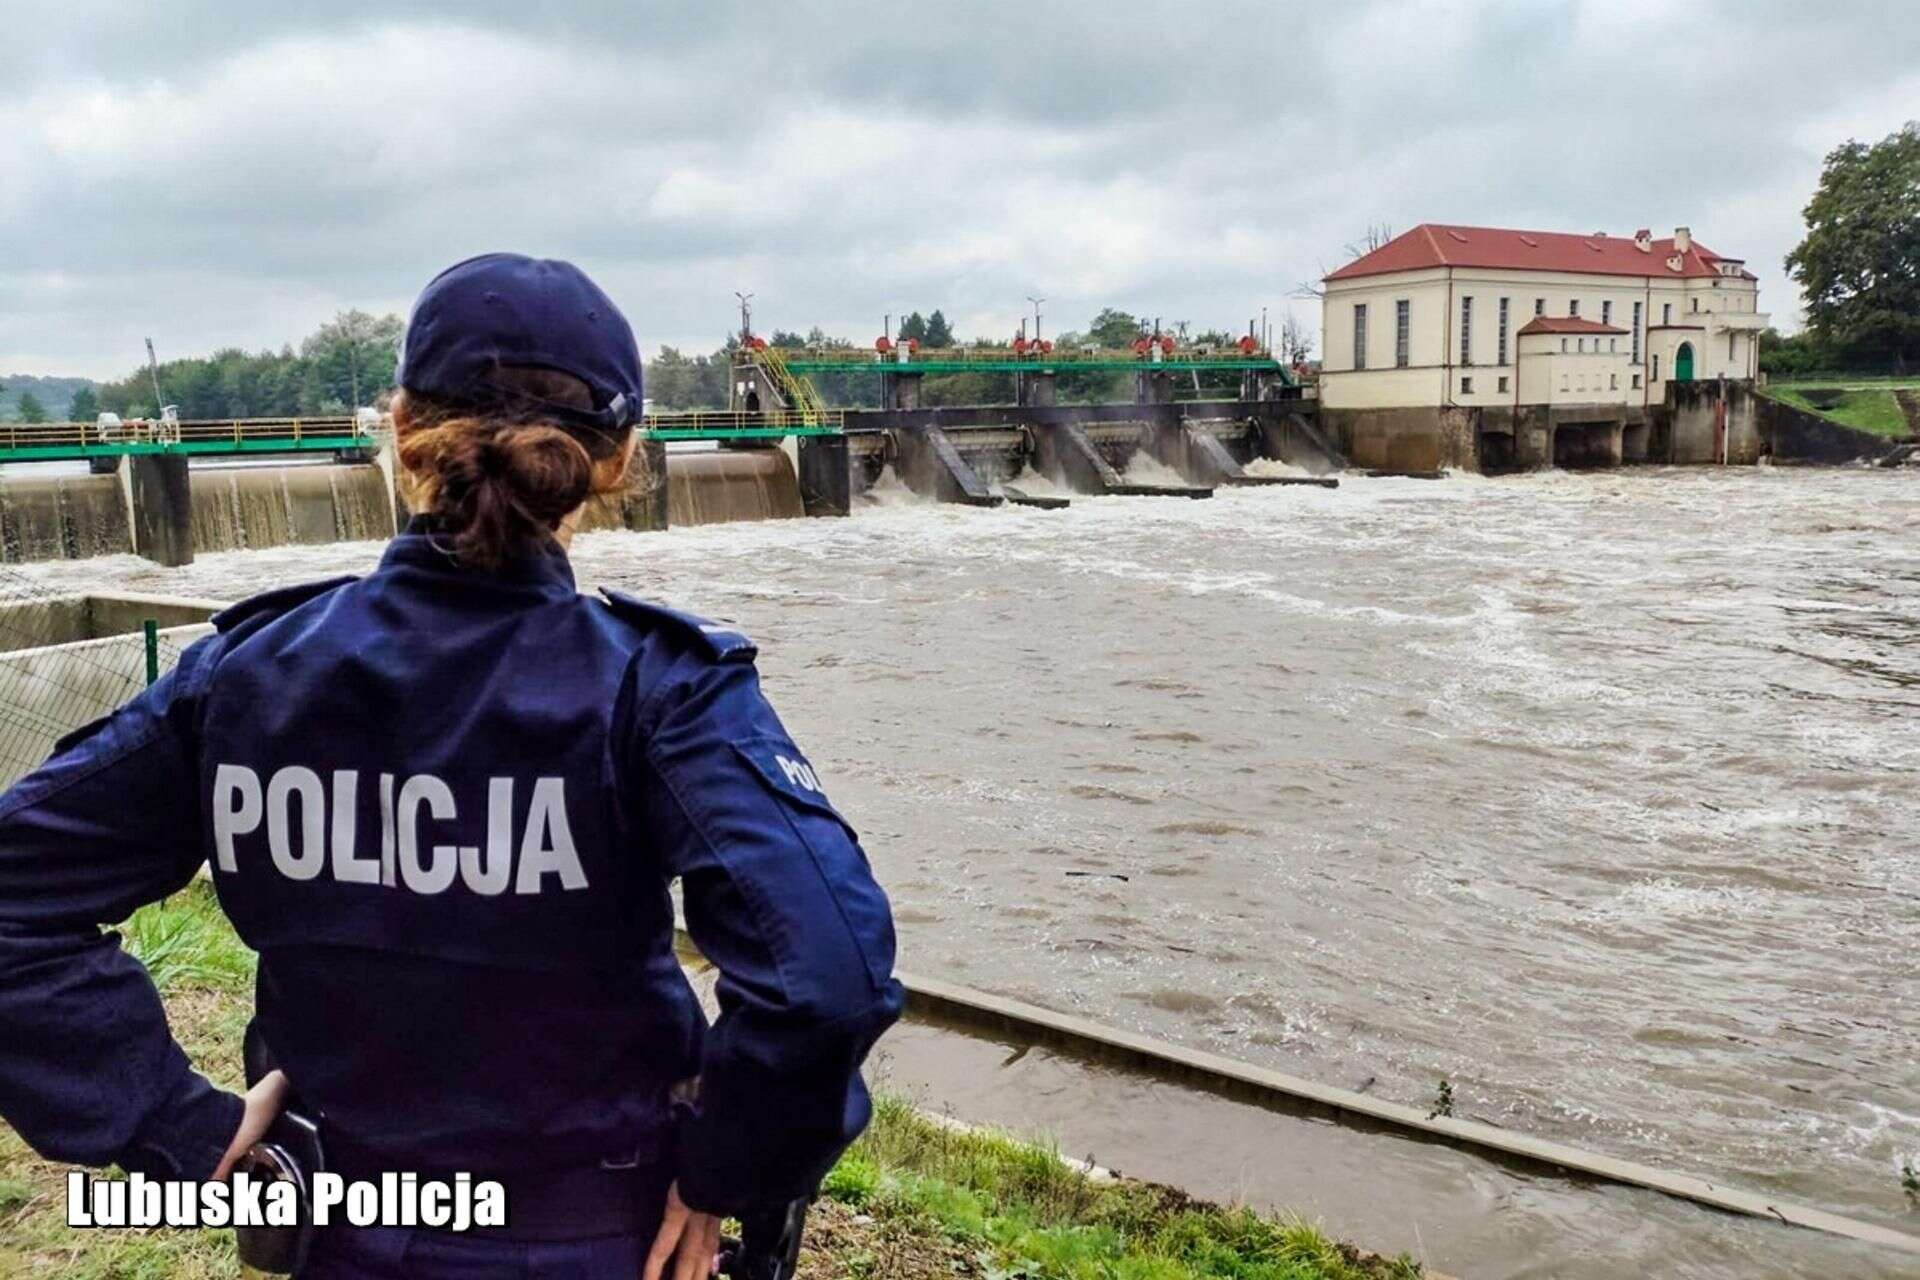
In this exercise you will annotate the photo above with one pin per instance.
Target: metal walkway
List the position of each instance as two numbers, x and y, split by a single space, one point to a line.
1002 360
80 441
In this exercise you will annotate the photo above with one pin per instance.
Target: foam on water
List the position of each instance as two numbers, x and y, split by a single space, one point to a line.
1592 793
1144 468
888 491
1036 484
1273 467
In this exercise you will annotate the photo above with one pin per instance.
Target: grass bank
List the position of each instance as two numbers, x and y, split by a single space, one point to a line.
913 1200
1865 405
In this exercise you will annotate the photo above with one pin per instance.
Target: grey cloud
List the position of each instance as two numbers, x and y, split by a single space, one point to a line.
230 173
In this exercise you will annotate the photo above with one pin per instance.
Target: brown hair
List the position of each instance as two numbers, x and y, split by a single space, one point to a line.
498 481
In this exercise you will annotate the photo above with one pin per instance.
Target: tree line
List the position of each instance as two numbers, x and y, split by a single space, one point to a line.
350 361
1858 265
347 361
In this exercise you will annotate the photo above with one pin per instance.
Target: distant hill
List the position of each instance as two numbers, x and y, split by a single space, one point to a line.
54 394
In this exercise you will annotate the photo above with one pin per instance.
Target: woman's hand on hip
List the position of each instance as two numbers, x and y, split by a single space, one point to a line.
690 1240
263 1103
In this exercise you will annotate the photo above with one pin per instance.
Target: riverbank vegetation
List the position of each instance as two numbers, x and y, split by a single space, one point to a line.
1863 404
1855 264
350 361
914 1199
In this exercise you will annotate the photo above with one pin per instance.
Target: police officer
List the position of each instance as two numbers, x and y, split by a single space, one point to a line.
444 803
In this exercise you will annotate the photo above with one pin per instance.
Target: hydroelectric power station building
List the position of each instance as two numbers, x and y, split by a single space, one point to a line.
1490 349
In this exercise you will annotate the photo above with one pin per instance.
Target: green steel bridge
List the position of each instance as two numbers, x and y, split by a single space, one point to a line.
83 441
805 361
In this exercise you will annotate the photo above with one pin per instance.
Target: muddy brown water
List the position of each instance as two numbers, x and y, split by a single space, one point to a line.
1594 795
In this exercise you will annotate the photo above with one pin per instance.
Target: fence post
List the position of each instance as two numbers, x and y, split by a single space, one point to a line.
151 630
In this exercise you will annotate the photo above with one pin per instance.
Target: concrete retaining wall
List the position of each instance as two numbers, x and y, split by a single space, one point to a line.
1792 434
1412 439
54 687
1699 413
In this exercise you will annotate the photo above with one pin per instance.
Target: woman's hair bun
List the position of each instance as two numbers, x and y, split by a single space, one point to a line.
547 471
496 484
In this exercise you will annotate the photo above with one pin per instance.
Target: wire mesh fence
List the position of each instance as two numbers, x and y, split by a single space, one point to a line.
64 663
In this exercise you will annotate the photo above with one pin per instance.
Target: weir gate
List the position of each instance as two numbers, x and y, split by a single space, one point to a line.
980 454
780 453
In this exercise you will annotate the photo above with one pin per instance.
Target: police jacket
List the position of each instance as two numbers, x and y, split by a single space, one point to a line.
445 807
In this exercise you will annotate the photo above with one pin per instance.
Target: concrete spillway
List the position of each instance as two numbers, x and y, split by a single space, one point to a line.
163 509
253 507
46 517
1146 450
73 517
727 485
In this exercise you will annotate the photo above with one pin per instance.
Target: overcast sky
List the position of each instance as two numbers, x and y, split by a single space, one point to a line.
227 172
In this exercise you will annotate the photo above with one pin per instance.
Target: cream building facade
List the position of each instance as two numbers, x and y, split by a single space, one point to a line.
1437 319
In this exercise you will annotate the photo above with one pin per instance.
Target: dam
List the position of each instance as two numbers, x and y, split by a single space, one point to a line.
1377 786
169 490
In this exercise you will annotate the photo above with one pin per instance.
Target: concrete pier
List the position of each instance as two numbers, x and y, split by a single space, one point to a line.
160 506
1038 389
1295 437
900 390
1197 451
826 476
1067 452
928 463
1154 386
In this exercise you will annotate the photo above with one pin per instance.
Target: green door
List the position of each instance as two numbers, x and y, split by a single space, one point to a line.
1683 363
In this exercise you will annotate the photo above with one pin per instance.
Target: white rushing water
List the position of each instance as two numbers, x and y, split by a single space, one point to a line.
1593 794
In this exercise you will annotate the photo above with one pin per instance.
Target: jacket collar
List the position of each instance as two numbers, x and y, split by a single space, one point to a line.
422 546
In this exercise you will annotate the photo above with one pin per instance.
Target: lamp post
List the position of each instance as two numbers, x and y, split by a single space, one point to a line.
1036 315
746 316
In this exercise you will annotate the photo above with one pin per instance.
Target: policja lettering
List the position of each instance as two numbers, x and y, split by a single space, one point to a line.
310 833
407 1200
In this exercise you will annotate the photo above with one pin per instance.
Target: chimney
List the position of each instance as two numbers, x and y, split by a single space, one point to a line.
1643 240
1682 239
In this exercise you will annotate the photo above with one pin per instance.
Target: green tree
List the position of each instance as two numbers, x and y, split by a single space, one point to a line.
1113 329
786 338
1859 265
84 407
939 332
351 359
31 410
1789 355
914 326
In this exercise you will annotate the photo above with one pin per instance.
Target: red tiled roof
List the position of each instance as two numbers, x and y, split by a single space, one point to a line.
1433 245
1566 324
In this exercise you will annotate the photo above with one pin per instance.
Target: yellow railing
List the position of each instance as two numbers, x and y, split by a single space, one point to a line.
723 420
1005 355
208 434
143 431
794 389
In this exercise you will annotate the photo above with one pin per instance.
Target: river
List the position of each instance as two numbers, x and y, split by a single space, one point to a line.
1594 795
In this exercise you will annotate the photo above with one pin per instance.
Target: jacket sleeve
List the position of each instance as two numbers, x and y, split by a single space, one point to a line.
780 898
90 1073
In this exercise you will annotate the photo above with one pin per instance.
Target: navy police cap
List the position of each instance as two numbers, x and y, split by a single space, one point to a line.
506 310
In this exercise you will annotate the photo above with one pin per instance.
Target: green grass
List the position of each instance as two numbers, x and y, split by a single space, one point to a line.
1861 407
1910 381
1028 1213
205 974
186 941
913 1200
